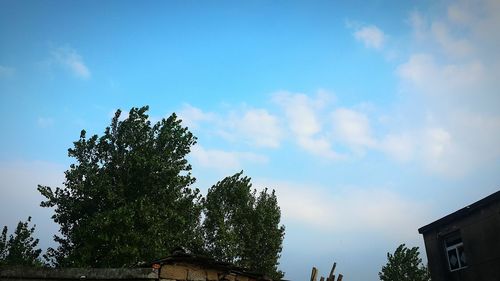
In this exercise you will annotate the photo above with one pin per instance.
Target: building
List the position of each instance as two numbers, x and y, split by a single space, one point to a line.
180 266
465 245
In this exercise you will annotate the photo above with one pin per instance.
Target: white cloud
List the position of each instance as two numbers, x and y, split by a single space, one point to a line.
71 60
300 110
6 71
224 160
431 78
352 128
302 116
302 119
259 128
371 36
349 210
454 149
320 147
400 147
468 142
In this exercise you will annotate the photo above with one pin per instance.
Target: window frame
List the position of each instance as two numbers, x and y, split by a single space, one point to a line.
458 243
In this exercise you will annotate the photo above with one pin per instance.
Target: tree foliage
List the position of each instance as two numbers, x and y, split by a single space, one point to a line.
404 265
21 247
127 198
242 227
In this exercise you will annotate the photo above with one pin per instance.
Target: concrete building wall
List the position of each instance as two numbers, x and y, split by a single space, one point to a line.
480 234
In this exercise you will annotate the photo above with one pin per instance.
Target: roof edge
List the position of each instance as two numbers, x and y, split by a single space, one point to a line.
462 212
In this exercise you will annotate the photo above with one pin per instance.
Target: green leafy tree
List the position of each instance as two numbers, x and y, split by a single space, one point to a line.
21 247
404 265
127 198
242 227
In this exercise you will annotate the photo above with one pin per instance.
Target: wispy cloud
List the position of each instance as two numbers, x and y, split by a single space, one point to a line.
371 36
71 60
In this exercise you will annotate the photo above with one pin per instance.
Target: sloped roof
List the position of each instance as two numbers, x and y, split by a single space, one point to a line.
495 197
181 257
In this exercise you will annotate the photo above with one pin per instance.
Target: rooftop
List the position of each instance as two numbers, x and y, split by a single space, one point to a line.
461 213
180 256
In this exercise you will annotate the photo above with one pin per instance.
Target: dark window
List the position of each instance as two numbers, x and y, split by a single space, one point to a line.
455 252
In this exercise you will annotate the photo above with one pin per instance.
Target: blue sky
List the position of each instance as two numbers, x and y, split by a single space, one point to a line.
369 118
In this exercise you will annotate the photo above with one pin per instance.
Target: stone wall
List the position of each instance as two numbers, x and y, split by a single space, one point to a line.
80 274
166 272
